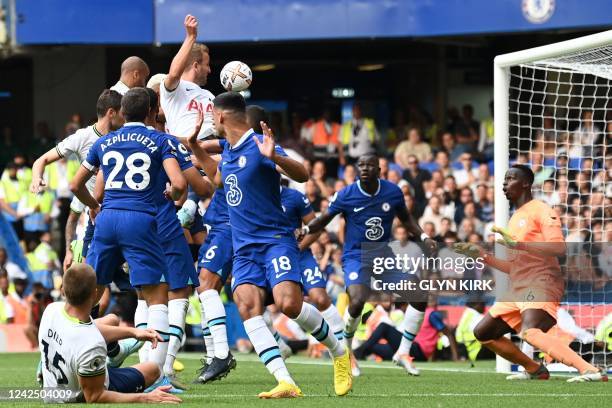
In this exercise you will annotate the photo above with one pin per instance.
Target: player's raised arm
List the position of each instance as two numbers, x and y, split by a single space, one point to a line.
77 186
291 168
116 333
179 62
38 168
209 165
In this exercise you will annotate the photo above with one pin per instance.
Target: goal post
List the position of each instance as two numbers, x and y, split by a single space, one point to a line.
555 83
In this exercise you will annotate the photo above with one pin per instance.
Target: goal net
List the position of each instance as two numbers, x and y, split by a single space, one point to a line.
553 112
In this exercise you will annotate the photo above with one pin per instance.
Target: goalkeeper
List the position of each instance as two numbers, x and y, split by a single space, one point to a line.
536 284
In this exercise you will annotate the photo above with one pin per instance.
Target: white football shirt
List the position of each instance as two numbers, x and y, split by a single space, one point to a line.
69 348
79 144
120 87
181 108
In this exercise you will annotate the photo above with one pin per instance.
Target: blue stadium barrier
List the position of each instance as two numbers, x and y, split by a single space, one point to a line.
8 239
161 21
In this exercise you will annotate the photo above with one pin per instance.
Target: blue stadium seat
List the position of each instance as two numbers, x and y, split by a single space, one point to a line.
429 166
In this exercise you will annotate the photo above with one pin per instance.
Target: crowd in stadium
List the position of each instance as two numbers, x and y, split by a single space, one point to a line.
446 177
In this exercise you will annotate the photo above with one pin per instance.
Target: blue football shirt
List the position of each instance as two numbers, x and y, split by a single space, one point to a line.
131 160
217 214
369 218
295 205
168 225
252 191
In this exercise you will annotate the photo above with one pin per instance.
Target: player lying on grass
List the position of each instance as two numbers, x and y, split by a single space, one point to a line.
536 284
73 349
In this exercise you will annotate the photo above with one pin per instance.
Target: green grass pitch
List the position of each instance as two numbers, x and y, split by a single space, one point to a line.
381 385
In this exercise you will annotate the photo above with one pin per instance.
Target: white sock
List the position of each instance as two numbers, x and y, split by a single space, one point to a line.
266 348
310 320
208 340
277 336
177 310
350 327
141 316
158 320
215 317
412 323
332 316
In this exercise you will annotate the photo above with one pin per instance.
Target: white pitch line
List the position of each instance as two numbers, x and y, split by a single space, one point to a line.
414 395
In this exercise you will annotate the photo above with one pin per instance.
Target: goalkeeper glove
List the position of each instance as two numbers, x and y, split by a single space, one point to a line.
507 238
467 249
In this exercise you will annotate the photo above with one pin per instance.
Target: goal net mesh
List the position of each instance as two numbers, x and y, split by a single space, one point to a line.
560 123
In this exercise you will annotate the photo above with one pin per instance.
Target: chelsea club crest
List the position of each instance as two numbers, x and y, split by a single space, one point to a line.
538 11
242 161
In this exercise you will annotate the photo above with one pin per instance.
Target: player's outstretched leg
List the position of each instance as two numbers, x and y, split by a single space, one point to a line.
215 264
210 348
288 297
249 299
285 350
320 298
358 294
157 299
412 323
536 326
141 316
490 332
223 361
178 304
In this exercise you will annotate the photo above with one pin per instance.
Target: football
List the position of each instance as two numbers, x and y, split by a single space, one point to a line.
236 76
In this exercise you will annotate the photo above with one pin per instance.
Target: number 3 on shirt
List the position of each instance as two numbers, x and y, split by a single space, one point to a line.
375 230
233 194
133 169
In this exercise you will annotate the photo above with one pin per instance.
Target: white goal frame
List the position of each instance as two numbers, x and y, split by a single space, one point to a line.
501 83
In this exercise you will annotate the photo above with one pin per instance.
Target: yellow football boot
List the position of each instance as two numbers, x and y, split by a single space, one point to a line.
343 378
282 390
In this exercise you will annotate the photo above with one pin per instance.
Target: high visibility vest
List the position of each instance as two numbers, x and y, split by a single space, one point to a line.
362 330
25 176
12 189
34 263
72 167
45 251
36 220
488 125
465 335
44 201
194 313
52 176
604 331
3 316
320 136
76 247
347 130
